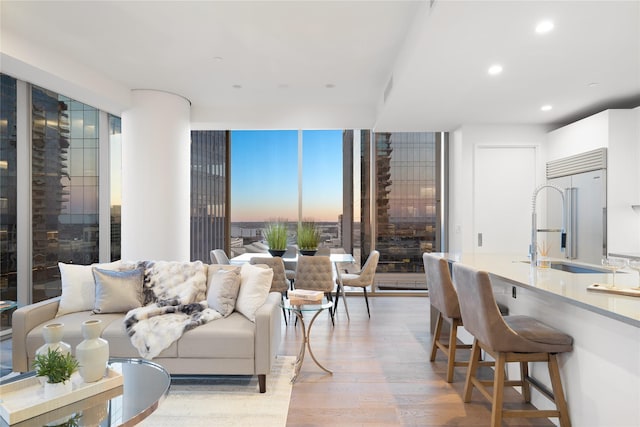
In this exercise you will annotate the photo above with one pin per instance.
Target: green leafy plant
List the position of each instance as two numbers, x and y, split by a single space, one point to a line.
308 235
275 233
57 367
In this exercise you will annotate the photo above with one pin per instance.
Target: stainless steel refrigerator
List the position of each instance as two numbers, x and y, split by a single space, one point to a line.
585 199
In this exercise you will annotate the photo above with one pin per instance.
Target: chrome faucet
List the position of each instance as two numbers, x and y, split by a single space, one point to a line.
533 249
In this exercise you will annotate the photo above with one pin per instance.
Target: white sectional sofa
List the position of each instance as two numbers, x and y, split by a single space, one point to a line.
230 345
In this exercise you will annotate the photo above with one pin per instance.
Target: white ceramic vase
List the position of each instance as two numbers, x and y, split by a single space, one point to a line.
52 390
52 334
93 352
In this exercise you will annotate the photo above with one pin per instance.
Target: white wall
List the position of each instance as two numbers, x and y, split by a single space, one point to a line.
619 132
463 143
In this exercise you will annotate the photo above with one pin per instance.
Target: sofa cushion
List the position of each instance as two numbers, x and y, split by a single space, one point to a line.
78 285
222 289
230 337
255 283
120 343
117 291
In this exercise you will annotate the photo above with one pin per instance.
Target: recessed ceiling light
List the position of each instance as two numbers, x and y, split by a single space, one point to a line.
218 58
329 85
544 27
237 86
495 69
546 107
593 84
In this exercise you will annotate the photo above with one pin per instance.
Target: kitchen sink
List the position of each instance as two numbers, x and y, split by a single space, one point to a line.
575 268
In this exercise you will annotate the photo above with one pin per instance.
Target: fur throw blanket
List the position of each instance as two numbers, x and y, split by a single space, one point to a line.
174 302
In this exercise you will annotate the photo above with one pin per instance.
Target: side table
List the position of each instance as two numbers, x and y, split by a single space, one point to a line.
298 310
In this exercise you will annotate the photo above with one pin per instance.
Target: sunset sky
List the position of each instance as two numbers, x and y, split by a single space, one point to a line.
264 175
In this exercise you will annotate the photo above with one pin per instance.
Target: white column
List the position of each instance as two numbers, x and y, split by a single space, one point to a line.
156 177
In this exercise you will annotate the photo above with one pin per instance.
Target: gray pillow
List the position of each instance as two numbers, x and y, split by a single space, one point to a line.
117 291
223 290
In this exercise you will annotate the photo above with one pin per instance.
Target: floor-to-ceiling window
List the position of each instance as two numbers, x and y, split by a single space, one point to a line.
209 207
64 187
8 192
115 177
288 175
404 221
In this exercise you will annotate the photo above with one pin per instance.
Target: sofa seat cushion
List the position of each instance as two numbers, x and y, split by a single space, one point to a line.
230 337
120 343
72 329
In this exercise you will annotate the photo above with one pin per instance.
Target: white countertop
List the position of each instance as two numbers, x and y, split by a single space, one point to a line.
570 287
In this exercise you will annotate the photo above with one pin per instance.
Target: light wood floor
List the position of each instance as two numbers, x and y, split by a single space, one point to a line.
382 374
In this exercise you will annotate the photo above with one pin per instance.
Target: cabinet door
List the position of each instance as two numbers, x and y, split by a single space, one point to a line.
504 179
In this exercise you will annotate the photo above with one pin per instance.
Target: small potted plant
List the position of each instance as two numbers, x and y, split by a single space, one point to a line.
308 237
275 233
57 368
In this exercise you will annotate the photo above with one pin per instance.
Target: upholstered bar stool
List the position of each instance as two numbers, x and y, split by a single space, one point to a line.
444 298
508 339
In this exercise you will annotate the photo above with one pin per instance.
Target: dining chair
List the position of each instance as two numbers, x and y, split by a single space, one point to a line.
363 279
218 256
521 339
315 273
444 298
279 283
290 266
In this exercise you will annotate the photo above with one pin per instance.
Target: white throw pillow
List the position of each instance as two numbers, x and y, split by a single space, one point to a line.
255 283
223 289
78 286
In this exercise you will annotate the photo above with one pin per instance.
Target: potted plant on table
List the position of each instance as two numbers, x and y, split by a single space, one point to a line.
57 368
275 233
308 237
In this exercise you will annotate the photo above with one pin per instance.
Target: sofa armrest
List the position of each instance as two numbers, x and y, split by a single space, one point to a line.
23 320
268 333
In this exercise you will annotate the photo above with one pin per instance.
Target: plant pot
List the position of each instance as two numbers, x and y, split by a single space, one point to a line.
307 252
53 390
277 252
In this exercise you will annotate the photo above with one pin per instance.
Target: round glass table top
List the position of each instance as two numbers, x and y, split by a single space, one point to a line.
286 304
146 384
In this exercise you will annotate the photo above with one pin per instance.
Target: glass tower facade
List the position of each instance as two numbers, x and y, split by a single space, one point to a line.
8 190
404 222
64 183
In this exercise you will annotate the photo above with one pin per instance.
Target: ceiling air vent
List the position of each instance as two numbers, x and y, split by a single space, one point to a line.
584 162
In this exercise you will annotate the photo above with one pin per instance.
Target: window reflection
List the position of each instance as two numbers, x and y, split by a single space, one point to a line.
64 187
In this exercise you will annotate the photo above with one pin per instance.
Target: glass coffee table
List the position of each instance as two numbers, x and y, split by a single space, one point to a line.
146 384
298 310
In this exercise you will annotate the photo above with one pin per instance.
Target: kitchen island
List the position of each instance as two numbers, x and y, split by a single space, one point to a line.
601 377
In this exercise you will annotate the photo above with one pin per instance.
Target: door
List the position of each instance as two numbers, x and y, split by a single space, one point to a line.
504 179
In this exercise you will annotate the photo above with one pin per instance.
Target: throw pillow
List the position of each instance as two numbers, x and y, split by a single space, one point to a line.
117 291
78 286
255 283
223 290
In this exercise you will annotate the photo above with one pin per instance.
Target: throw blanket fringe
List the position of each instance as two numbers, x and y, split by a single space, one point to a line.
175 302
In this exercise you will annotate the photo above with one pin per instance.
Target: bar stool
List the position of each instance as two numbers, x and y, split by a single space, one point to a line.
508 339
444 298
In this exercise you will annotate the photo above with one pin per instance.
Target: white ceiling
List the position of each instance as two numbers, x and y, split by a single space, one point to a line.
328 64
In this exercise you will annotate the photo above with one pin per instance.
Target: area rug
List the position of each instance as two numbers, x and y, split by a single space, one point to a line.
227 401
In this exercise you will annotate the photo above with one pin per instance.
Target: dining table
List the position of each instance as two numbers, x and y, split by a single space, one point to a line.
336 259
